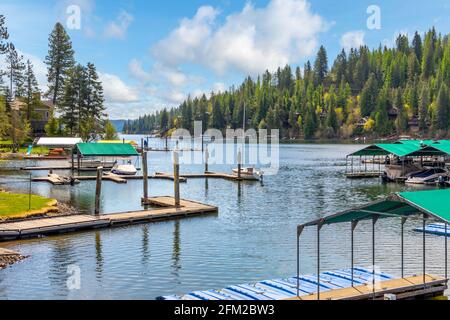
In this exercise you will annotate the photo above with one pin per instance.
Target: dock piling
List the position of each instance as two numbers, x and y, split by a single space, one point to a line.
206 160
98 190
145 173
176 175
239 163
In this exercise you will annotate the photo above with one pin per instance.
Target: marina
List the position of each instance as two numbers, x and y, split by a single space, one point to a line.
181 236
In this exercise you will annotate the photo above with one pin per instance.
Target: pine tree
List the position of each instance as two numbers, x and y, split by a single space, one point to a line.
164 123
15 69
442 108
3 46
3 35
217 121
428 54
60 60
369 97
31 87
73 103
92 113
320 66
417 46
424 102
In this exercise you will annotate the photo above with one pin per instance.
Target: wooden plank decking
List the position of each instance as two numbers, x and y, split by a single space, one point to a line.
213 175
106 177
403 289
42 226
362 175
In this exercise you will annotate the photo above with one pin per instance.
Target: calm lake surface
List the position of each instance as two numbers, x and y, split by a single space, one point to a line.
251 239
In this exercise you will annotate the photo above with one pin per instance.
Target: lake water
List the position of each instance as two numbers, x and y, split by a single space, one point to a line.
251 239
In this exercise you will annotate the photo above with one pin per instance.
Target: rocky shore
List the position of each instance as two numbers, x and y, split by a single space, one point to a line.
8 258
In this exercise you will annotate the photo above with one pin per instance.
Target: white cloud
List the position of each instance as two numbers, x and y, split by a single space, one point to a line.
219 87
249 41
118 28
116 91
352 39
138 72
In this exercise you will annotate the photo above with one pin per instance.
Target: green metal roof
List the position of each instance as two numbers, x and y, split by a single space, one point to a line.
402 148
106 150
404 204
434 202
384 149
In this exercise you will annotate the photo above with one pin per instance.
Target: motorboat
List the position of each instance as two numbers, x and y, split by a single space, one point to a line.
428 176
249 174
124 169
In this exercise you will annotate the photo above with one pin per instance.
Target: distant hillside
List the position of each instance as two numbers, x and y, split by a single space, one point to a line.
118 124
382 92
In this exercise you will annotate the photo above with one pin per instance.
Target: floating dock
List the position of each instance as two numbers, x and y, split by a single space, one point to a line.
48 168
64 224
212 175
335 285
436 229
57 180
363 174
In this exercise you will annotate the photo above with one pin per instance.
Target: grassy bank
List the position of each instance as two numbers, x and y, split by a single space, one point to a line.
17 205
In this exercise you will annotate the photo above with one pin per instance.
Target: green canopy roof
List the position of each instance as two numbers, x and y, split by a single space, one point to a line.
384 149
106 150
404 204
402 148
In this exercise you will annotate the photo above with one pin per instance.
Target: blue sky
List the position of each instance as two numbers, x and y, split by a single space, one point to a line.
152 54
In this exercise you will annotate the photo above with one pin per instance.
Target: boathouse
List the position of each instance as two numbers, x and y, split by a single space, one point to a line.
426 206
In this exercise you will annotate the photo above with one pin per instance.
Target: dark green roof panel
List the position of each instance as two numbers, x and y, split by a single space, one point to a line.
106 150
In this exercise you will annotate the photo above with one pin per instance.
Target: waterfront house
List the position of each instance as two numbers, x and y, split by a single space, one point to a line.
41 113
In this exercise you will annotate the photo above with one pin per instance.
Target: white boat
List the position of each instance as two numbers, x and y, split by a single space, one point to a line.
249 174
428 176
124 169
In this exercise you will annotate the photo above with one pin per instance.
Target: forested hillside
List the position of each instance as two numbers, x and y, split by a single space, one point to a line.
380 92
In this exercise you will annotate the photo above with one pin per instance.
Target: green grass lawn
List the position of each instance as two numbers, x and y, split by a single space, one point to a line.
17 205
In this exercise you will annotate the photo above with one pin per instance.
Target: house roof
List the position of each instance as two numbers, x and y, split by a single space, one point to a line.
58 142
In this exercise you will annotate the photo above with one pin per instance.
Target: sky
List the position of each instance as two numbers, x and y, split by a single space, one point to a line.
154 54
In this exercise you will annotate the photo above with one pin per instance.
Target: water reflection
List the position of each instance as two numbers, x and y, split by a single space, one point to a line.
98 255
176 250
145 244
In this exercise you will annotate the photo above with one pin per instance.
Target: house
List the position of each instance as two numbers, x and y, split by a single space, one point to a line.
41 113
362 122
393 113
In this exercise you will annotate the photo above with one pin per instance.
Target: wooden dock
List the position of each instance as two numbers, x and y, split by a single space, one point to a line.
57 180
64 224
406 288
62 168
212 175
363 174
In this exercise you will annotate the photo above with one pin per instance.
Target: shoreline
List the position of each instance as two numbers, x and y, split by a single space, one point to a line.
9 258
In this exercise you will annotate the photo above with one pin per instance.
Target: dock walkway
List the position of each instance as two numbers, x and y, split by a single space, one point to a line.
212 175
72 223
57 180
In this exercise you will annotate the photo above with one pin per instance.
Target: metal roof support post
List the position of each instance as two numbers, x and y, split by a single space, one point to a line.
446 254
424 249
319 226
374 221
352 164
353 227
299 232
346 164
403 247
